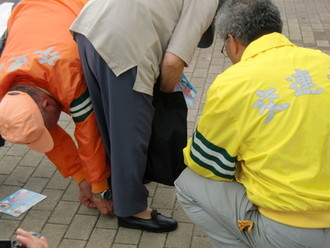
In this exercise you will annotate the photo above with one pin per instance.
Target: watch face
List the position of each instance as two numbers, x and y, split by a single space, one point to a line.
107 194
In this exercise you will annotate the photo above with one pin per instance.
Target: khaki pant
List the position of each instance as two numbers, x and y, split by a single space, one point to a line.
216 207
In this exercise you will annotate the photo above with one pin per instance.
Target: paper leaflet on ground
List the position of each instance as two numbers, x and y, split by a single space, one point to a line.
19 202
5 11
187 89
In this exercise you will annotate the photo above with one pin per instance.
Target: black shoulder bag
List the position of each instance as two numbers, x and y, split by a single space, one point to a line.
168 137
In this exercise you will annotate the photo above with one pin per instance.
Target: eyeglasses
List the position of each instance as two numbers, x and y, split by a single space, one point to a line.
223 49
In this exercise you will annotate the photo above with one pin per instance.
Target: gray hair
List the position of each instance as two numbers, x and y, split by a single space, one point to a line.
247 20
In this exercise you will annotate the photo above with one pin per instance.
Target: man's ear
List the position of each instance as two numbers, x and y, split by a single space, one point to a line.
235 49
45 102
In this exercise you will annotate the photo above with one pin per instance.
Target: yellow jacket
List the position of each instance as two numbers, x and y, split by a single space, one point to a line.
266 123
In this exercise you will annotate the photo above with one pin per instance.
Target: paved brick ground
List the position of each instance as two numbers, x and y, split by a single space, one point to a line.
67 223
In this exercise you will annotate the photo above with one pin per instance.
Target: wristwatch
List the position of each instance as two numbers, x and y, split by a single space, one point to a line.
105 195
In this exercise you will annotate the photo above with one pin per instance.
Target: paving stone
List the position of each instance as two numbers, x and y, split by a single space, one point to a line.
36 184
70 131
53 198
164 198
8 228
3 151
101 238
199 242
64 212
123 246
8 164
72 192
2 178
19 176
32 158
200 72
81 227
181 238
107 222
63 123
7 190
58 181
151 187
35 220
322 43
203 64
18 150
87 211
192 115
65 117
54 233
179 214
154 240
71 126
198 232
70 243
45 169
128 236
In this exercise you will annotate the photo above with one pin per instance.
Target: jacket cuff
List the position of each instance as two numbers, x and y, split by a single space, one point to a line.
79 176
100 187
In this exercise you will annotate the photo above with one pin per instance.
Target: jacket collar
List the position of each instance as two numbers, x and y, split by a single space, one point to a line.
264 43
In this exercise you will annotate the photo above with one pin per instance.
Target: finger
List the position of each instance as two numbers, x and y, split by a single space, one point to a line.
44 241
24 233
27 240
104 206
89 204
20 231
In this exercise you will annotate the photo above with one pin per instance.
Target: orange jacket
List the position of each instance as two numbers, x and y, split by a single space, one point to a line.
41 51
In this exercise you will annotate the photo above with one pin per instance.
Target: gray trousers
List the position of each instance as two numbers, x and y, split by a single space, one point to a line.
124 117
215 207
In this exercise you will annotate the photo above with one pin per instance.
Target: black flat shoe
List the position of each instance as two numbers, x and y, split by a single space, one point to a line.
158 223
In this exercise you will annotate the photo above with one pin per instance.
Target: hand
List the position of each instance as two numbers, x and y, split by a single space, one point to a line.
30 241
104 206
85 195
